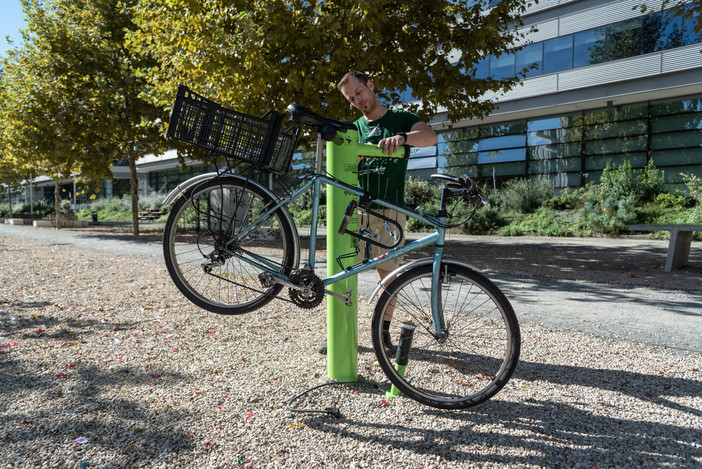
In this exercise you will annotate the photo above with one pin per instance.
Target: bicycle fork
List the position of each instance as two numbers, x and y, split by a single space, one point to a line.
437 312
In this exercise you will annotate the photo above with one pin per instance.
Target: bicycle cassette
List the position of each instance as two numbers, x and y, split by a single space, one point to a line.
312 292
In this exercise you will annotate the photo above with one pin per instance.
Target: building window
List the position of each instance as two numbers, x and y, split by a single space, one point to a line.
630 38
531 56
558 54
573 149
502 67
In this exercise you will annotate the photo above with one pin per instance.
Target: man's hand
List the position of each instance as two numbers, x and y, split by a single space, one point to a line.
391 144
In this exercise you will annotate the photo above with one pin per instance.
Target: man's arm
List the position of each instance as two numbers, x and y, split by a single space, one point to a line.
420 135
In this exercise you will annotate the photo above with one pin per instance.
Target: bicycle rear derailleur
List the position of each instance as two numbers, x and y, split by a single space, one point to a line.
310 291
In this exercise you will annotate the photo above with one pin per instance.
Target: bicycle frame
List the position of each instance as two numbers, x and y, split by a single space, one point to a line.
314 182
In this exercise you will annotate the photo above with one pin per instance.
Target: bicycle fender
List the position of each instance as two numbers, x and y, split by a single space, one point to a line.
401 270
183 187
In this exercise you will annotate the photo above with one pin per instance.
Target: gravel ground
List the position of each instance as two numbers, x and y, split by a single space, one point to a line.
105 364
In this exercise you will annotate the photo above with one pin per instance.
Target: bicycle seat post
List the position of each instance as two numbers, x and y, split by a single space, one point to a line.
342 319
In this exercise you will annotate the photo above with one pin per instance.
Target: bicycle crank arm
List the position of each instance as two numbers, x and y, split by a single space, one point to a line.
346 298
269 279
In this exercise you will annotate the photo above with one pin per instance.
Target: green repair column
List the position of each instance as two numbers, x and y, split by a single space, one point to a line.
342 320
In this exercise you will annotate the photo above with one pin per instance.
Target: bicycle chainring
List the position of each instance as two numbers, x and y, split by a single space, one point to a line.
312 293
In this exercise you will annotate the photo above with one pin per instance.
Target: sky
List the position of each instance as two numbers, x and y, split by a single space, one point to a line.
11 21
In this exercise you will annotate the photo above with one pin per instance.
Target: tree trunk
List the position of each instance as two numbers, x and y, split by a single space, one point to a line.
57 202
9 199
134 183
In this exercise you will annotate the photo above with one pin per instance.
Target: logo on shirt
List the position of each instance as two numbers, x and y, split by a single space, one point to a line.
374 132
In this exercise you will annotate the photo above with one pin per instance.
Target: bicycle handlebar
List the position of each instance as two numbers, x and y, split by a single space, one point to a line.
328 128
308 117
464 187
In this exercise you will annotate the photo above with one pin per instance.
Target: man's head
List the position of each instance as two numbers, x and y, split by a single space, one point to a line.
359 90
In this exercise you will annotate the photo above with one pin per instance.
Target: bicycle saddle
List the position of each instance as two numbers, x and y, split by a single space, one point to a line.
306 116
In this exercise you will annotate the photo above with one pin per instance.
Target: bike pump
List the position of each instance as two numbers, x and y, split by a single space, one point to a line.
342 319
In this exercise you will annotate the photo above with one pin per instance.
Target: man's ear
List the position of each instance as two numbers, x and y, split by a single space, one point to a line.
370 85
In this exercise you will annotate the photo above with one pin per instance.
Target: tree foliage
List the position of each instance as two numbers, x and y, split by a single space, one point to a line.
94 80
260 54
76 92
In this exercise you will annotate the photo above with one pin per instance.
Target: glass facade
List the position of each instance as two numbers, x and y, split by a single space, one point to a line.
571 150
629 38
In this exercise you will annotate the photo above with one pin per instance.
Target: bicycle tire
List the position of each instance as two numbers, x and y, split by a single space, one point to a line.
199 226
478 352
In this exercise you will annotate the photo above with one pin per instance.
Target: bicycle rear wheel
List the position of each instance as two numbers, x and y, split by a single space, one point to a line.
214 273
475 355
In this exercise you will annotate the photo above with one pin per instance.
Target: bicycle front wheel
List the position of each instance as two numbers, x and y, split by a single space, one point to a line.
210 263
468 361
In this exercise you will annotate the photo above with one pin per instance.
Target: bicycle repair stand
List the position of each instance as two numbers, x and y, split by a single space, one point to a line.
342 319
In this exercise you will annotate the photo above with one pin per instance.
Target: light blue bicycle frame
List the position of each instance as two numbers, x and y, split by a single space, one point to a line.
315 181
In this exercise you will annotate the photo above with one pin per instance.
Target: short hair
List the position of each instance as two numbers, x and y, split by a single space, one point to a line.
362 77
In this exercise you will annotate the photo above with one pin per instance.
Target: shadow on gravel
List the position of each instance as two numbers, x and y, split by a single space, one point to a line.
578 440
107 236
94 402
117 428
563 434
658 389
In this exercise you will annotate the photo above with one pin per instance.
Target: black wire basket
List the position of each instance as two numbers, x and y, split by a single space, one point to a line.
250 139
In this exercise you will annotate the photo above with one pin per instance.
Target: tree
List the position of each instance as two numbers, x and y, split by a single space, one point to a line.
259 54
83 106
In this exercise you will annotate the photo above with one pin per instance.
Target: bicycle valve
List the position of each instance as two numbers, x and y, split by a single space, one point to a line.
402 357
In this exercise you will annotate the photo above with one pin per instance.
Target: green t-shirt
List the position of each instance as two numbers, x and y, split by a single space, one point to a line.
384 176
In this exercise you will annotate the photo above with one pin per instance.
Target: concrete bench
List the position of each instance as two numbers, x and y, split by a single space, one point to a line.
680 240
64 223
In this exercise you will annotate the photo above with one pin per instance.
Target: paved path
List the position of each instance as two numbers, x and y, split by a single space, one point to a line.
669 318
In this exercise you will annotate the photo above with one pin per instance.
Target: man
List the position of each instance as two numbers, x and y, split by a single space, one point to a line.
389 129
385 177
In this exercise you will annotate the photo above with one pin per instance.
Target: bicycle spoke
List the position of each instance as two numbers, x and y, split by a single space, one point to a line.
202 246
475 354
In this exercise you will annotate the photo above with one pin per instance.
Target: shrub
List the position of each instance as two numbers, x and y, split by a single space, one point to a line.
304 202
482 221
423 196
304 216
543 222
568 199
674 201
694 185
524 195
623 181
605 213
420 192
148 202
39 207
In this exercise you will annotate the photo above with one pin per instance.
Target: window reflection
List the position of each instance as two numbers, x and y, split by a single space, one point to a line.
630 38
508 141
482 68
502 156
533 54
583 44
573 149
502 67
558 54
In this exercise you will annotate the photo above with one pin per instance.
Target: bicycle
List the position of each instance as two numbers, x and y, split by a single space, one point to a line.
231 246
